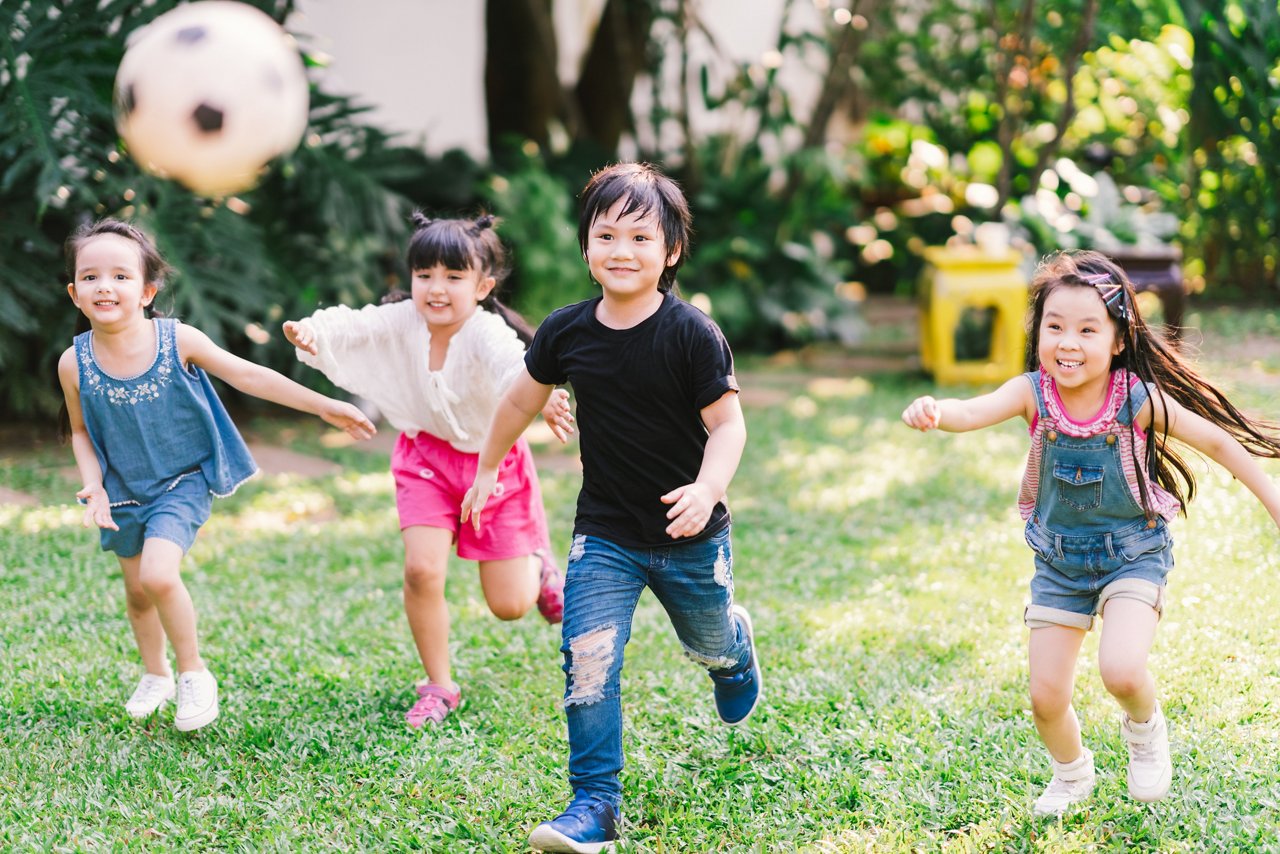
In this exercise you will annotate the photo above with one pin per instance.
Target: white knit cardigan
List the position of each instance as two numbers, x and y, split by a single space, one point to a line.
382 352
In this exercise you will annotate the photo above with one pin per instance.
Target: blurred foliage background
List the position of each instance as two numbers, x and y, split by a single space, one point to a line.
1074 123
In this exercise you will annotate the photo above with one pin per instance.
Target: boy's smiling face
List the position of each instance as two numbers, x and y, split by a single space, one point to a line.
627 253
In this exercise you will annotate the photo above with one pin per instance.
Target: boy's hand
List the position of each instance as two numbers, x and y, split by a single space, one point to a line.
346 416
693 504
300 336
478 495
557 415
923 414
97 508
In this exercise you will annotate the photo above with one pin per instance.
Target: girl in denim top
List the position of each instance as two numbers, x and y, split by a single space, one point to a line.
154 444
1103 396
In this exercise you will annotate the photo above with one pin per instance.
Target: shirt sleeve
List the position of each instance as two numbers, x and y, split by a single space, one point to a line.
500 350
352 344
543 360
712 362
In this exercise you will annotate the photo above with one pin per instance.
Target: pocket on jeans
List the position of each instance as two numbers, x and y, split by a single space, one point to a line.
1145 542
1039 541
1079 486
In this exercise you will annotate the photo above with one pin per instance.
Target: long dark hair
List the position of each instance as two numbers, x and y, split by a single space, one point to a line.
464 244
154 270
646 190
1146 355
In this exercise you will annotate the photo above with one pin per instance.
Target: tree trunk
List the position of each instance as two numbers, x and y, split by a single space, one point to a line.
616 56
522 90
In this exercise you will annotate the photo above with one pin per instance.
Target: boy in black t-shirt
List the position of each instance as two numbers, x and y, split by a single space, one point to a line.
662 434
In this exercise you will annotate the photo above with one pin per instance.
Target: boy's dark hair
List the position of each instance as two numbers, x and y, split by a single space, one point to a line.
154 267
460 244
645 190
1148 357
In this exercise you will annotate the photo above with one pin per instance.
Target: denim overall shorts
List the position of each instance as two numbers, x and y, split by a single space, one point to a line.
1091 538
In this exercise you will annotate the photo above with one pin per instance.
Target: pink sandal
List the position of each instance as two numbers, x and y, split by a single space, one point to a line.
435 703
550 589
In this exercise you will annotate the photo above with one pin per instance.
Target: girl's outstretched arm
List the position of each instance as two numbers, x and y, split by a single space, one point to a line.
1216 444
196 348
97 505
693 503
1015 397
525 397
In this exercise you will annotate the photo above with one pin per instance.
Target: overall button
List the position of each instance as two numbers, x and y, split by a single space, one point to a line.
1111 438
1053 435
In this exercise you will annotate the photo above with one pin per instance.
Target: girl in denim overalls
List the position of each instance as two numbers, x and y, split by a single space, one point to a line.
1103 395
154 444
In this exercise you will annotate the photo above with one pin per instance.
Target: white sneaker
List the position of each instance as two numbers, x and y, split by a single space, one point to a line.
1071 784
1150 768
152 692
197 700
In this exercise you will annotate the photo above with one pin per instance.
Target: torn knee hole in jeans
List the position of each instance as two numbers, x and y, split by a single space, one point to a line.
589 670
578 548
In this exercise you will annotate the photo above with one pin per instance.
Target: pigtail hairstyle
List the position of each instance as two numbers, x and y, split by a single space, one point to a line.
645 190
459 244
1147 356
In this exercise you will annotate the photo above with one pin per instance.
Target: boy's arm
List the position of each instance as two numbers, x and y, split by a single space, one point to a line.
1015 397
524 398
693 503
1218 445
97 506
250 378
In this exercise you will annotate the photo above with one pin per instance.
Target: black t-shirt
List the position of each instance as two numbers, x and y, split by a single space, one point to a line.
640 393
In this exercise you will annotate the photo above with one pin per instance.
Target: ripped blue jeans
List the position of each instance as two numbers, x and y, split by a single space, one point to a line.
603 583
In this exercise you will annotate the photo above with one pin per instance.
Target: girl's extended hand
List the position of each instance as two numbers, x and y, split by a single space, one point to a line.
923 414
300 336
557 415
691 510
97 508
346 416
478 495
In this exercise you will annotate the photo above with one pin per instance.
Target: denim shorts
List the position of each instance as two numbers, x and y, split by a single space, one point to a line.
177 516
1076 575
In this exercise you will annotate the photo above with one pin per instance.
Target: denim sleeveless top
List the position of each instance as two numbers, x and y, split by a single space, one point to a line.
151 430
1082 478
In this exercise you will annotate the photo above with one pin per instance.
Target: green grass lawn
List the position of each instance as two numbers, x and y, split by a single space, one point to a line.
886 574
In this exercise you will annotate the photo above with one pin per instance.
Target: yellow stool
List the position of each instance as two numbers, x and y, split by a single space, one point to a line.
964 291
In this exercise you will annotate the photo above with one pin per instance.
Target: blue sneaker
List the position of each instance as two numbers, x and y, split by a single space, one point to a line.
738 692
587 826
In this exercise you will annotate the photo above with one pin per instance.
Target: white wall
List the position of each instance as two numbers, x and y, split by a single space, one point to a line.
420 63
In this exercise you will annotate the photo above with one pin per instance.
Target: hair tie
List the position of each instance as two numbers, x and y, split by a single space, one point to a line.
484 221
420 220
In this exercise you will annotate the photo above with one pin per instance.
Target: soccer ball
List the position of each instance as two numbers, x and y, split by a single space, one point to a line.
208 93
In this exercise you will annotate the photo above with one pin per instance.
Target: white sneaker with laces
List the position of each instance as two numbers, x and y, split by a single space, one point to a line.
1150 768
1072 783
197 700
153 691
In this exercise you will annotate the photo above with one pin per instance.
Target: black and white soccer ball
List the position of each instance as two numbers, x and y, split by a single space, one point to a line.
209 93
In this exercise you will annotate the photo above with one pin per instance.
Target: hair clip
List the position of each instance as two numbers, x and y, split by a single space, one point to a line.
1112 294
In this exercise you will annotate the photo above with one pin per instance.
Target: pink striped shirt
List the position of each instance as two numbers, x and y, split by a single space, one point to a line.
1132 443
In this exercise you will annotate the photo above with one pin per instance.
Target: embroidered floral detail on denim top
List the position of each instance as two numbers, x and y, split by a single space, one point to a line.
128 391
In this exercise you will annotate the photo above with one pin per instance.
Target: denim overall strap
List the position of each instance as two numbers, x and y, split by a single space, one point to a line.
1136 395
1034 378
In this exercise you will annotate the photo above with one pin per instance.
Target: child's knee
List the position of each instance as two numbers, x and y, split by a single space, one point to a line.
424 575
509 609
591 660
1048 699
158 581
1123 678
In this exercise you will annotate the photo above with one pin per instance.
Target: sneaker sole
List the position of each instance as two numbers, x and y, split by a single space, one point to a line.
740 611
196 721
546 838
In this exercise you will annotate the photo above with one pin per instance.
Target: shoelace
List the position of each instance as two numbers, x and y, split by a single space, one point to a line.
149 691
192 690
1059 788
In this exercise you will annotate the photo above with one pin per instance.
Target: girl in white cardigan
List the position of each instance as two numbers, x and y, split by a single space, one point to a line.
436 365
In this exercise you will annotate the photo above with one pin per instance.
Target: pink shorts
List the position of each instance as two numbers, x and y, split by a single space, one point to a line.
432 477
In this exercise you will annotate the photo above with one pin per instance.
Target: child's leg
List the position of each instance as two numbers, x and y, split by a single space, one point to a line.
160 577
1128 630
1051 656
602 586
148 632
426 558
510 586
